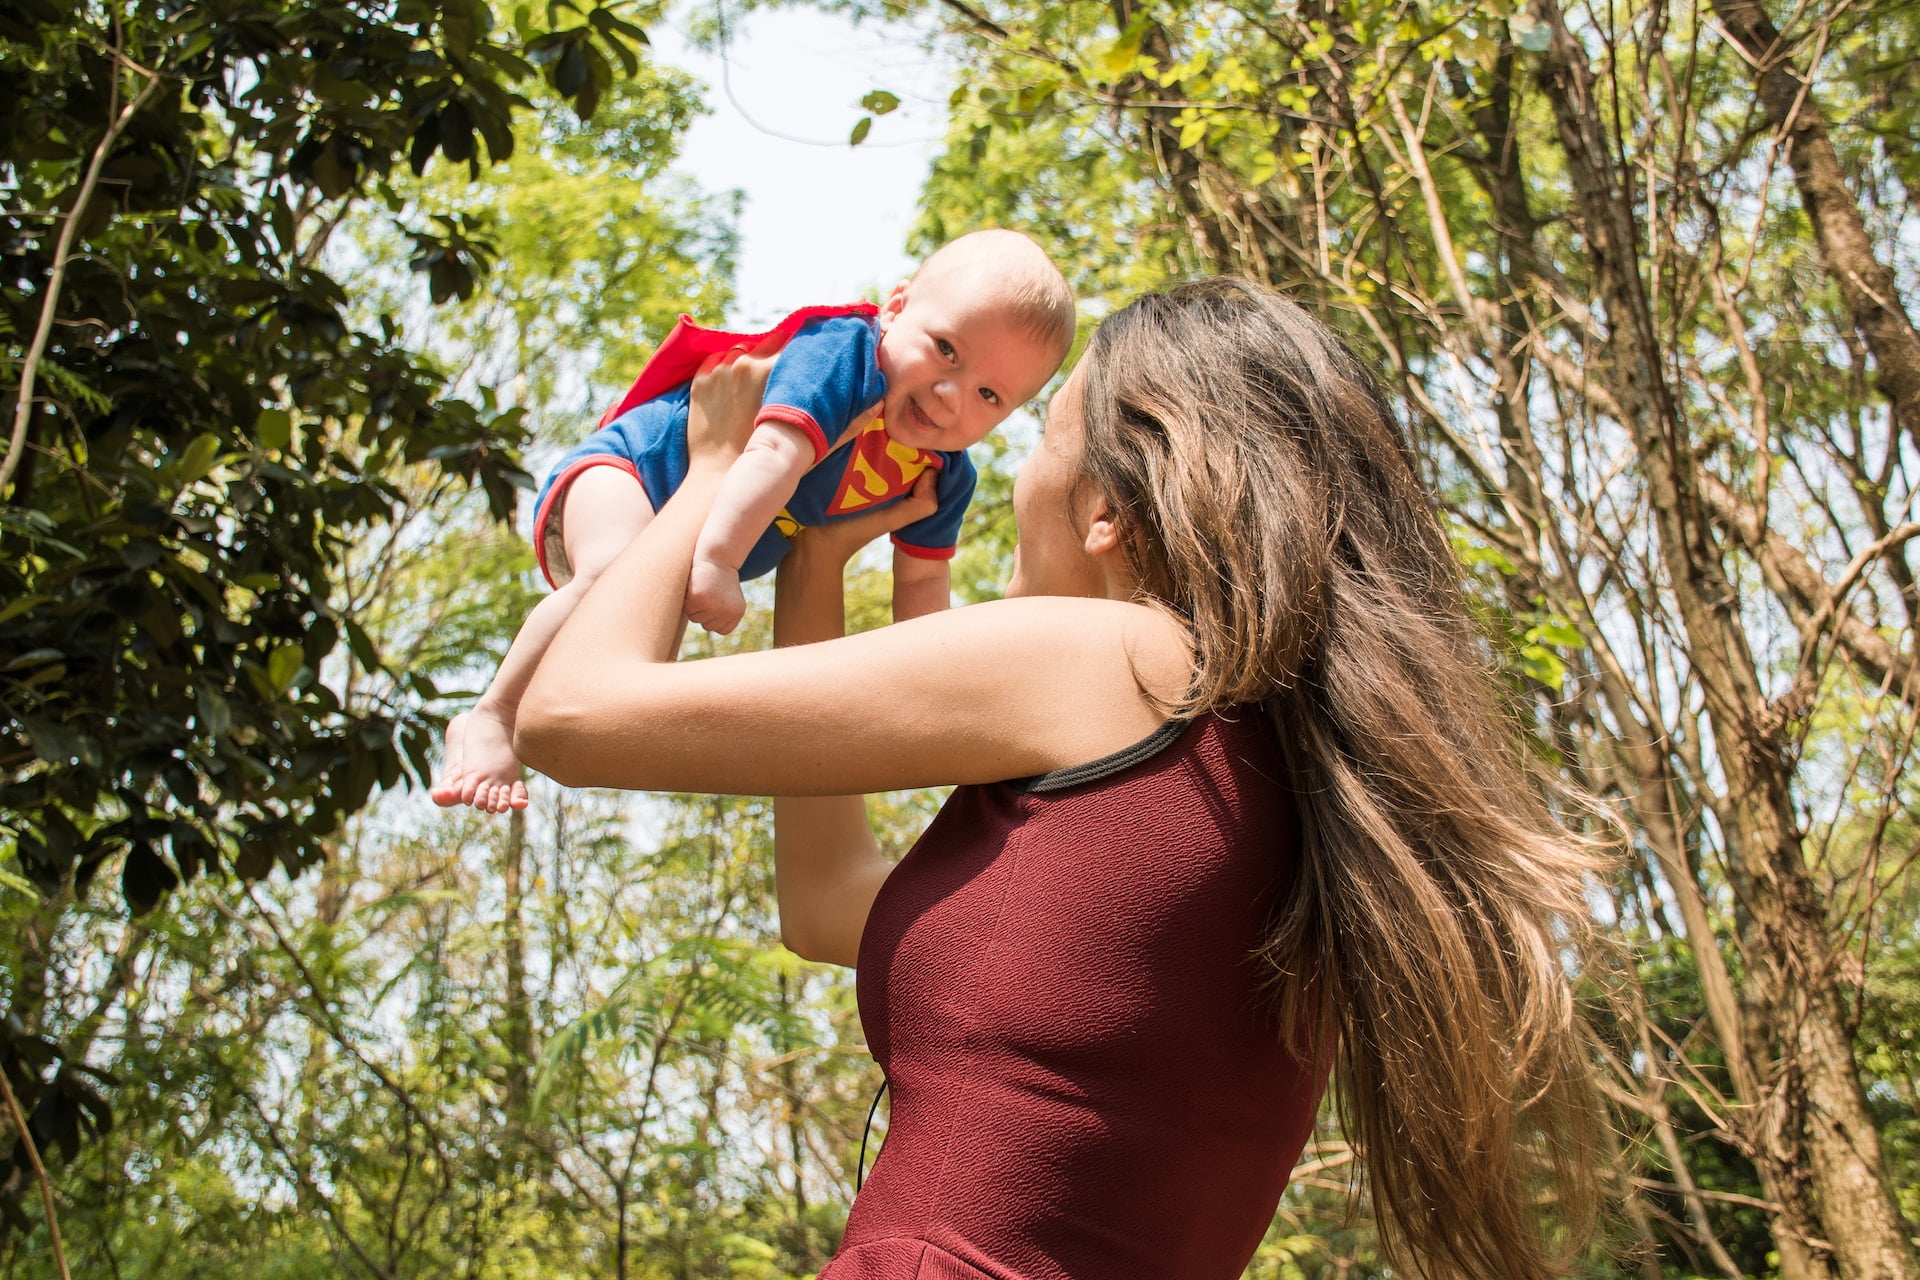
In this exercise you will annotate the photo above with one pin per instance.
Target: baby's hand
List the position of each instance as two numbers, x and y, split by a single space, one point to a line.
714 598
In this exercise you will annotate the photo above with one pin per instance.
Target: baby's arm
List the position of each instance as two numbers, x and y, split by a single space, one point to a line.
923 550
920 585
759 483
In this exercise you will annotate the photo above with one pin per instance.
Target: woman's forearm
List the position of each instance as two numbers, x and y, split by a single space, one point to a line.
809 597
632 616
827 864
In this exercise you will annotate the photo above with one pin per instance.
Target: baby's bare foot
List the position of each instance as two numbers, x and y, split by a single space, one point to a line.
714 598
480 768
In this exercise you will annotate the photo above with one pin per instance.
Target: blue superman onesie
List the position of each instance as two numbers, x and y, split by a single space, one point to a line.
827 377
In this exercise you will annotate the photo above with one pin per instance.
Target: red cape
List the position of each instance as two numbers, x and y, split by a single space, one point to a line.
687 347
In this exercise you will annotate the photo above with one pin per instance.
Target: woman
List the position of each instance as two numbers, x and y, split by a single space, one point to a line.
1235 805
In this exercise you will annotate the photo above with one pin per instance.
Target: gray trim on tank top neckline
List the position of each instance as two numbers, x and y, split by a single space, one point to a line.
1106 766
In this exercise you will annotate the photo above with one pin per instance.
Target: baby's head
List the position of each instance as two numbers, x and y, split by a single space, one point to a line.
973 335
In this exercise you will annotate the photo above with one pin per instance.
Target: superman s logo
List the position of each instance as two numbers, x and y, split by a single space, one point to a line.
878 469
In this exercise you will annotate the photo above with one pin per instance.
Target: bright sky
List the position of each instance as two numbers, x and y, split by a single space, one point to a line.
823 221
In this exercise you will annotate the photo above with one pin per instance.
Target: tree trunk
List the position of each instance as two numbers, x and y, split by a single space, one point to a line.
1813 1142
1866 285
519 1020
328 895
1644 775
796 1139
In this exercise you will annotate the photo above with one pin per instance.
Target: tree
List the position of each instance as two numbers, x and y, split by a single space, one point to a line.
199 431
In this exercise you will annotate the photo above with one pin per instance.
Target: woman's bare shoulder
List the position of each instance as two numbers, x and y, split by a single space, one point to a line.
1150 643
1150 646
1113 662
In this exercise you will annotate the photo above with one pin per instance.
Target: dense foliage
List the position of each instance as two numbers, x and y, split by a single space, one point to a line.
200 429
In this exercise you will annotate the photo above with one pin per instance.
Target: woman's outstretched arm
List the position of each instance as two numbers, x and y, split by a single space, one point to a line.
994 691
827 864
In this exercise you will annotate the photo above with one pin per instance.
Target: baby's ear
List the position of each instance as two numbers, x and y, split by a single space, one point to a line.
896 303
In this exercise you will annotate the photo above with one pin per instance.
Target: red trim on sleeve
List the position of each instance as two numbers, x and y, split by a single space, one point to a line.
924 553
558 489
787 415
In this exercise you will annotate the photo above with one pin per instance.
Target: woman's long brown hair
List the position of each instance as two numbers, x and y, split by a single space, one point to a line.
1270 500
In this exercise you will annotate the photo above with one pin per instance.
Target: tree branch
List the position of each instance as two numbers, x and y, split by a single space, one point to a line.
39 1173
62 254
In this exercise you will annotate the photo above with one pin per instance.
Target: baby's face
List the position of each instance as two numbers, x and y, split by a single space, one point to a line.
956 364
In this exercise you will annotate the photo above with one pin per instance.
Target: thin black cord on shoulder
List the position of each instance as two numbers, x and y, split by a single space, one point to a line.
860 1170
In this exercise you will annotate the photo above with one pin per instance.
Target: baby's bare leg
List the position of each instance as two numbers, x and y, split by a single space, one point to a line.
606 508
759 483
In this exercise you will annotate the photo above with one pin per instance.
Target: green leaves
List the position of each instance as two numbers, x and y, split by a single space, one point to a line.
573 61
145 878
699 986
198 674
452 258
1119 58
195 461
1537 655
283 666
220 424
460 23
273 429
877 101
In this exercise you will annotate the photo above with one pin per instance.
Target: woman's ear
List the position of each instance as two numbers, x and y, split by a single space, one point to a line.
1103 531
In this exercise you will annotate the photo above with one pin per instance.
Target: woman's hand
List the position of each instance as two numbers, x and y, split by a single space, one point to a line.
834 542
809 595
726 397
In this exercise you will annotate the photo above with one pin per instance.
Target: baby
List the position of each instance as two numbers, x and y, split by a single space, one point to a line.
861 402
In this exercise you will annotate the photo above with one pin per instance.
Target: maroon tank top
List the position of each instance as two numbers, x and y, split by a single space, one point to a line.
1087 1083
